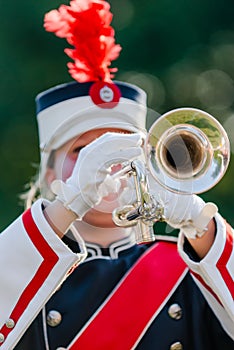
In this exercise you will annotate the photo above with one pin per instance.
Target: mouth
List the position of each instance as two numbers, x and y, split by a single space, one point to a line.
115 168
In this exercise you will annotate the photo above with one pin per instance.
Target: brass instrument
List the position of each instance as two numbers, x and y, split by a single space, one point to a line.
187 151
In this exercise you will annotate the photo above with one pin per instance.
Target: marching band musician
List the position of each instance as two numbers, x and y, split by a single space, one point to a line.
74 280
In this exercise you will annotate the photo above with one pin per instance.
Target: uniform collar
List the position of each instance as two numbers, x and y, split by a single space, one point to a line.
112 251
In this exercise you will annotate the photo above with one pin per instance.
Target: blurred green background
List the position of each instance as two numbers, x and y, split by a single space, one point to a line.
181 52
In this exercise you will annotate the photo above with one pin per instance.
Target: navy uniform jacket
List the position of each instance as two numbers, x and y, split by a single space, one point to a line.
192 326
44 302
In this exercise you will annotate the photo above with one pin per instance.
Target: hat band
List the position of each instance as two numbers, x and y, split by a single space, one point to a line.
71 90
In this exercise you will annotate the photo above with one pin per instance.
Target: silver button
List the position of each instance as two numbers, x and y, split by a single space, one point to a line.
54 318
61 348
176 346
2 338
175 311
10 323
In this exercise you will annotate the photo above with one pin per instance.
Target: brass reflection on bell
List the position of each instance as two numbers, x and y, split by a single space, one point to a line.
187 150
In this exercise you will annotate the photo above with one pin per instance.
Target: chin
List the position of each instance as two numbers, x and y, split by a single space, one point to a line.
98 218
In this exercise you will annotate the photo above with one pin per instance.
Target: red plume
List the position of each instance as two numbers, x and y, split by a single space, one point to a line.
85 24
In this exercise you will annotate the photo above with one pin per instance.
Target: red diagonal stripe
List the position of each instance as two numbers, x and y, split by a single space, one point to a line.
50 259
223 260
200 279
137 300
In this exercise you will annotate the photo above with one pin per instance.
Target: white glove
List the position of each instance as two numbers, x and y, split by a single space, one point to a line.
189 213
91 180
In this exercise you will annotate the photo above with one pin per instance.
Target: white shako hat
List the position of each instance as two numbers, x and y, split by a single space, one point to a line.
94 100
69 110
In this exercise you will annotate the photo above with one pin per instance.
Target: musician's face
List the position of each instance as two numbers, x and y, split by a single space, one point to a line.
63 163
